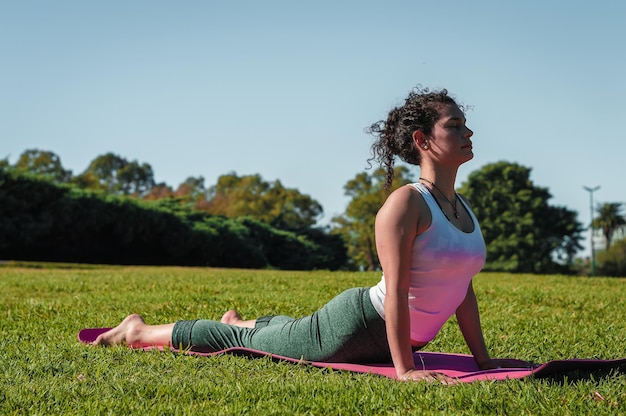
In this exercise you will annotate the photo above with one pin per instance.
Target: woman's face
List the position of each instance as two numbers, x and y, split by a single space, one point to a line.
449 139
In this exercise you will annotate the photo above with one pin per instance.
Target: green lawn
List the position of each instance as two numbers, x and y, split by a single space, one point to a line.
45 370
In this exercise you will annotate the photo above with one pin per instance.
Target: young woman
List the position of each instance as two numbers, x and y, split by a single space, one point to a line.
430 247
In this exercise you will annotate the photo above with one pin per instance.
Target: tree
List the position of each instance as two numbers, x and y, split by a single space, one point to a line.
292 210
612 261
43 162
135 179
609 220
5 165
159 191
192 193
523 232
285 208
117 175
356 225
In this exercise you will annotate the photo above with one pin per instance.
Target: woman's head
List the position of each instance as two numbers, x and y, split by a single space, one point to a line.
420 112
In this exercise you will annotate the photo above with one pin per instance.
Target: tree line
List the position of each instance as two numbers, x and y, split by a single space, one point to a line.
232 196
245 221
43 221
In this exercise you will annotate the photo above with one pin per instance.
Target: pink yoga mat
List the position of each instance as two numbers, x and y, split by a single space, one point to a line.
459 366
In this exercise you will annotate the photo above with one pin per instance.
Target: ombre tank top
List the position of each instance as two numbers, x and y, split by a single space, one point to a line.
443 261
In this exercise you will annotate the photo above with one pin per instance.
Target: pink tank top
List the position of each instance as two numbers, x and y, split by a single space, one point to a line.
444 260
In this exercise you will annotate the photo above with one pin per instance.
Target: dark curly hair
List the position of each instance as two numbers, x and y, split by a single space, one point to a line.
394 136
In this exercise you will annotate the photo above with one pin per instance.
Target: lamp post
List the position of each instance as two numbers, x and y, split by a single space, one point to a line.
593 251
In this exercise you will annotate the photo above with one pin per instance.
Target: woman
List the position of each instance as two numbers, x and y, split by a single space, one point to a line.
429 244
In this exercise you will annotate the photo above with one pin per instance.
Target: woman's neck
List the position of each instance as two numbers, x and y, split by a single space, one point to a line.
443 179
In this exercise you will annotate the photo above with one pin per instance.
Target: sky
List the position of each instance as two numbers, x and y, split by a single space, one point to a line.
285 89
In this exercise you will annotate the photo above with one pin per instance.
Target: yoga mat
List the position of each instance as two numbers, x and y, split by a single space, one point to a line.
459 366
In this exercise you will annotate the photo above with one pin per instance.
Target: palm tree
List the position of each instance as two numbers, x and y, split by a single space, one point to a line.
609 220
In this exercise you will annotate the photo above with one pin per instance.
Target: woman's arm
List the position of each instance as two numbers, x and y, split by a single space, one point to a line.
468 317
397 224
396 227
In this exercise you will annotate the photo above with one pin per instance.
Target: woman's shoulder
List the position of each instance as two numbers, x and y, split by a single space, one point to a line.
406 202
408 193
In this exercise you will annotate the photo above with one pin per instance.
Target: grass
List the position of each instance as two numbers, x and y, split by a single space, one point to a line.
45 370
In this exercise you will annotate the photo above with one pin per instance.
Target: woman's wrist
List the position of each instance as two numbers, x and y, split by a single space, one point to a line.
405 375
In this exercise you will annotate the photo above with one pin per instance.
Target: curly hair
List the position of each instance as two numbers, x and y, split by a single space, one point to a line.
394 136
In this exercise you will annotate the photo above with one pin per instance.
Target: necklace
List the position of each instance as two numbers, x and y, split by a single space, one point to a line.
453 205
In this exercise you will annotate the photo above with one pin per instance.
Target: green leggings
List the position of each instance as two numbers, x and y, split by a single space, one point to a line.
346 329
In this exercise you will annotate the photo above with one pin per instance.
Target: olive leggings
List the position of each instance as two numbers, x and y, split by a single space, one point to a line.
346 329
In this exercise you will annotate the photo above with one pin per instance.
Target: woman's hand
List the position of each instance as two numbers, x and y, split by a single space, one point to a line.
429 376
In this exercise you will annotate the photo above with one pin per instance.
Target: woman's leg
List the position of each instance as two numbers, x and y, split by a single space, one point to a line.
133 331
232 317
348 328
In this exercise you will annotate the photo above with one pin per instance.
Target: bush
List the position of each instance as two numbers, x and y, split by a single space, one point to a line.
612 262
41 221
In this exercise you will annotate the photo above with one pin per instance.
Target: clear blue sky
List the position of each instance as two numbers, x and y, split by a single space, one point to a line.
285 88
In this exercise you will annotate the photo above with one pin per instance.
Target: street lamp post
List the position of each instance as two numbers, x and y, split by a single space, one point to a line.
593 251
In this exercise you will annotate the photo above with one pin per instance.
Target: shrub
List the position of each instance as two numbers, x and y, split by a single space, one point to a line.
42 221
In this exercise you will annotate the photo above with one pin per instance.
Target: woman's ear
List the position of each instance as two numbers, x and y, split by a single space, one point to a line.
420 140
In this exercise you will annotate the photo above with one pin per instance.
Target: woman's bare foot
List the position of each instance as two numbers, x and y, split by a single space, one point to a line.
128 332
232 317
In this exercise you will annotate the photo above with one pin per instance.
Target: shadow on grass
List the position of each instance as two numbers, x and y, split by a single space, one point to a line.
571 377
